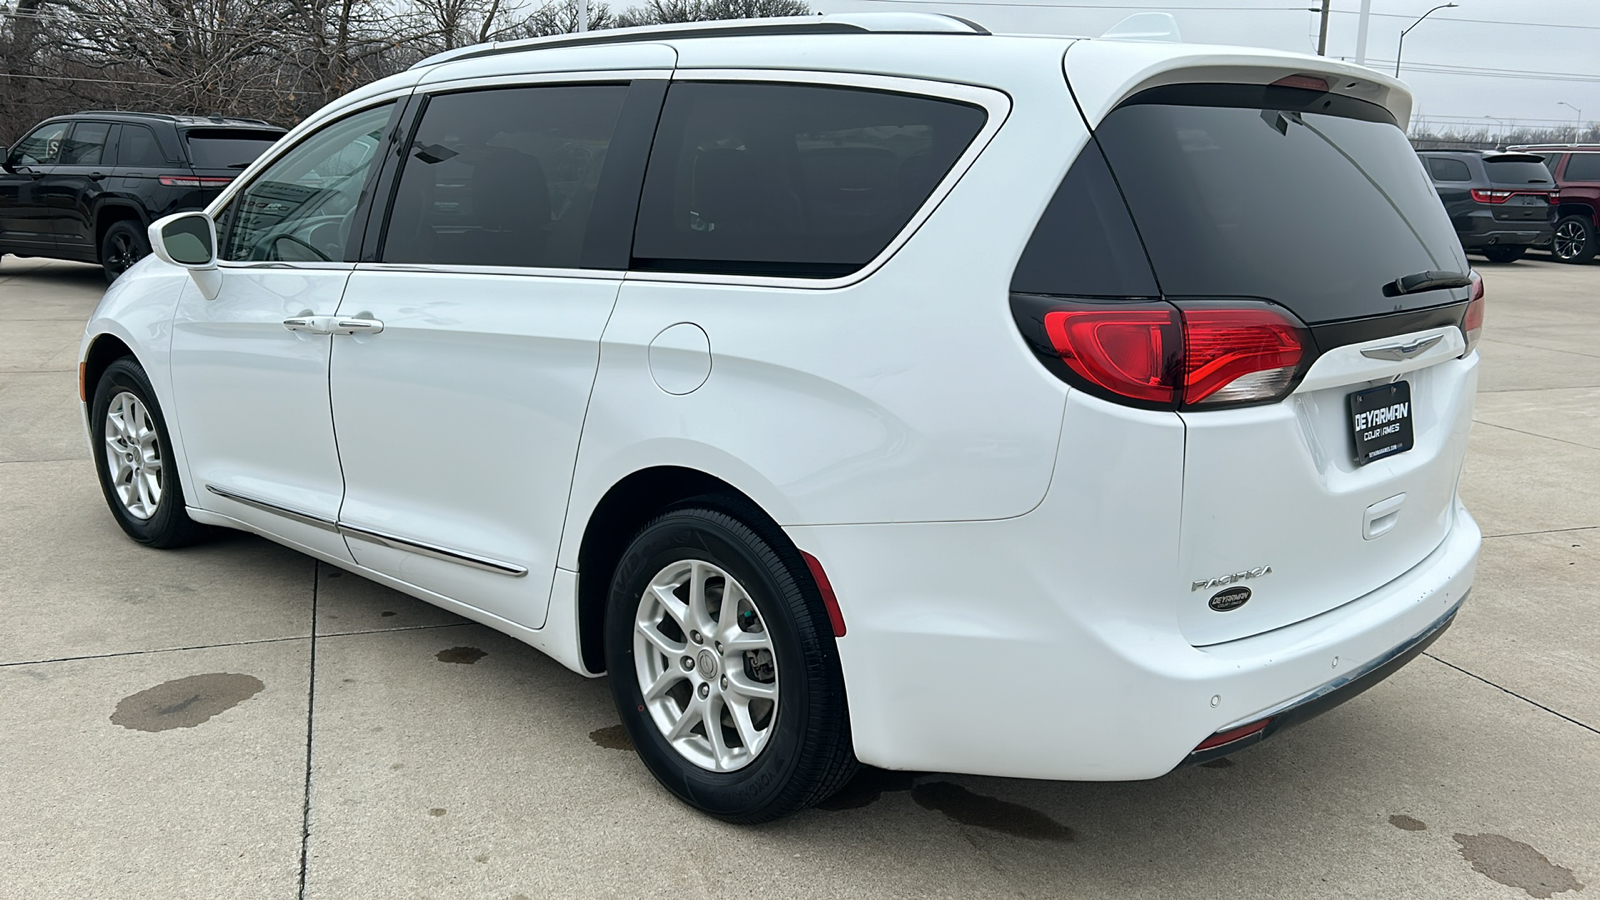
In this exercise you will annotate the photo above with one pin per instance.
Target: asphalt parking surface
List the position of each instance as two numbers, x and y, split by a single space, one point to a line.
236 720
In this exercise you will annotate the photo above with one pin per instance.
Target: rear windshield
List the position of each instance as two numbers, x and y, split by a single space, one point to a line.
232 148
1517 172
1310 200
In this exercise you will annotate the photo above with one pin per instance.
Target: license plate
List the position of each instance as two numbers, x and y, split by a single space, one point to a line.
1380 421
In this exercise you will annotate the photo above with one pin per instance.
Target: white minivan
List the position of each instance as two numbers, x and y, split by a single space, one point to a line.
852 389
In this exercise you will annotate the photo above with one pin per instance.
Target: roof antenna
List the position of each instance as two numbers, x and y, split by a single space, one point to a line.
1148 26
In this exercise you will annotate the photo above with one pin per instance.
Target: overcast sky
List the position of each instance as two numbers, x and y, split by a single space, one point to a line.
1549 36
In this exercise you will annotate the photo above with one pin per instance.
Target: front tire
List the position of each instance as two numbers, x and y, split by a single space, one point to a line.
1574 240
1504 254
724 668
123 244
133 458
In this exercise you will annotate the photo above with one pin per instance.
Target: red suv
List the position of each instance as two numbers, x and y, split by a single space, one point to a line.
1576 168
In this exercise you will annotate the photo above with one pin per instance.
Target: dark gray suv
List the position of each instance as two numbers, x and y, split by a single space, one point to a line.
1500 203
86 186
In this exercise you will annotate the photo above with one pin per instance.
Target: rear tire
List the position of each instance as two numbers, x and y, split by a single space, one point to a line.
707 733
133 458
1505 254
1574 240
123 244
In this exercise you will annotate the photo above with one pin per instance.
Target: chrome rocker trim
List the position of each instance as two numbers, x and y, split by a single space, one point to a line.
459 557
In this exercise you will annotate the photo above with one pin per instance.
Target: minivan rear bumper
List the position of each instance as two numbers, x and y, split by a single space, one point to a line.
1039 647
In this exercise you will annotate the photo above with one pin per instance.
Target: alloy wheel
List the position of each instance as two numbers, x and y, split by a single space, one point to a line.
123 254
1568 240
705 664
133 455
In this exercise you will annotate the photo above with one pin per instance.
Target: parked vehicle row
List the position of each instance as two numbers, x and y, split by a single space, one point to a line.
1503 203
87 186
849 388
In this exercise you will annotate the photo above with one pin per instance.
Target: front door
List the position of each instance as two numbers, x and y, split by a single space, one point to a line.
250 367
73 188
25 224
458 421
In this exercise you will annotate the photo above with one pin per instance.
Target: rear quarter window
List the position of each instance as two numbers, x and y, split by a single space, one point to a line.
1446 169
1583 167
791 180
227 148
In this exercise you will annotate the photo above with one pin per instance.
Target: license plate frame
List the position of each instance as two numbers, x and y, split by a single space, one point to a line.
1381 422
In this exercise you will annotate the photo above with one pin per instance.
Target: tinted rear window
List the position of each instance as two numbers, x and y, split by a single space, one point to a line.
793 180
1519 173
1313 201
227 149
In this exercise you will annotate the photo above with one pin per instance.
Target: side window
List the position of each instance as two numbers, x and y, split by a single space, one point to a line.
1583 167
138 147
1550 161
86 146
503 177
41 147
788 179
1445 169
300 209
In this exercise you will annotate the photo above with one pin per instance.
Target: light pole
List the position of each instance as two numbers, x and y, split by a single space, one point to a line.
1576 126
1502 124
1401 49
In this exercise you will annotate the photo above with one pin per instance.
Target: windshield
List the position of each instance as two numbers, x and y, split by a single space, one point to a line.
1307 199
228 149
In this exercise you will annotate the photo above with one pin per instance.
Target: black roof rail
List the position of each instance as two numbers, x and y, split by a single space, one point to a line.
836 23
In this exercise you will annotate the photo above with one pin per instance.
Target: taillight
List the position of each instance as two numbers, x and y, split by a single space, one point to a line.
1472 322
1555 197
1305 82
194 181
1483 196
1129 352
1160 355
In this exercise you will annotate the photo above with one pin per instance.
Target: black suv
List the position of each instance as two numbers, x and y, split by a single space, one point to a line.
86 186
1500 203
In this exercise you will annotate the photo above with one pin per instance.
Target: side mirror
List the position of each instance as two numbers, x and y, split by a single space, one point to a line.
189 239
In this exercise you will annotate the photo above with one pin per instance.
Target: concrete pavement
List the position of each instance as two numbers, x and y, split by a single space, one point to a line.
338 740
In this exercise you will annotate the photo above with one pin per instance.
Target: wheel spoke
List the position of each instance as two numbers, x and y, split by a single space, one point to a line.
719 744
748 735
728 616
741 641
698 614
665 680
743 685
674 607
672 649
693 713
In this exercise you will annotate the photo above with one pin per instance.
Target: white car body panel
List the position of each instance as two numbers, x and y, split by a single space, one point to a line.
1010 555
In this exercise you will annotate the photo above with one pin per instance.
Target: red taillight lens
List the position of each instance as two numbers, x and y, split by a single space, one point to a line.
1306 82
1483 196
1239 355
193 181
1129 352
1197 355
1472 322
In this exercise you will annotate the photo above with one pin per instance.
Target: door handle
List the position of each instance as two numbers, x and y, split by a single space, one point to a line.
309 323
96 176
361 324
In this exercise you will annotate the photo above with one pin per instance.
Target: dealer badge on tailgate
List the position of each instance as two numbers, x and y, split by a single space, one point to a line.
1380 421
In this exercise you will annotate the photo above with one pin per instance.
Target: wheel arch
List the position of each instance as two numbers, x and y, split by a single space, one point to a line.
112 211
624 509
104 349
1578 208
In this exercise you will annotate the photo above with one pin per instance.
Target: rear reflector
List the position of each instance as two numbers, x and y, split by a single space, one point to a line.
194 181
1306 82
1472 322
1228 737
1198 354
829 601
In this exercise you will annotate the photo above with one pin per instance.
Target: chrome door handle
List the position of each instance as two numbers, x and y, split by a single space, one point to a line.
358 325
309 323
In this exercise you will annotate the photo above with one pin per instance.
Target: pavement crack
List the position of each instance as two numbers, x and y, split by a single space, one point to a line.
1543 531
1560 715
58 659
311 710
1547 437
